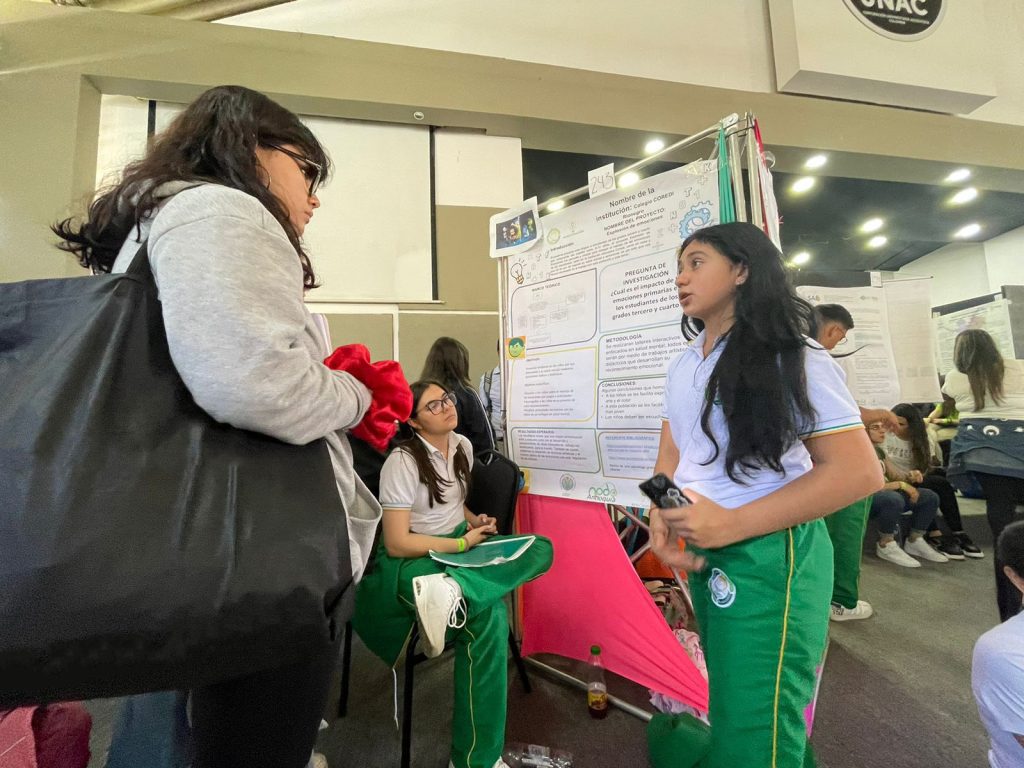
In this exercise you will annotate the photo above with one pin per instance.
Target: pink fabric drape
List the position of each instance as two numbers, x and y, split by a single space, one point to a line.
592 595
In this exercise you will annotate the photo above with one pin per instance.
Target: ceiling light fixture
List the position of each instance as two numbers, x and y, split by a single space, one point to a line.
557 205
877 241
815 161
801 258
965 195
872 225
654 145
628 179
969 230
802 184
960 174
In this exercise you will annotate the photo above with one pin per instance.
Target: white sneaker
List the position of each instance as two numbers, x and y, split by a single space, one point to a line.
842 613
439 605
921 548
895 555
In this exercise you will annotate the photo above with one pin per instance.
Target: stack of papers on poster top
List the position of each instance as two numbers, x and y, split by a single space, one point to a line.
486 553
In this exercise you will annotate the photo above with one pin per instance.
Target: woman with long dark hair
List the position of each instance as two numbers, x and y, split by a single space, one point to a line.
913 452
762 435
423 488
988 392
448 362
222 198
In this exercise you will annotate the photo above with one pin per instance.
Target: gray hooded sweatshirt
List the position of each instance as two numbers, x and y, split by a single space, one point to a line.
241 337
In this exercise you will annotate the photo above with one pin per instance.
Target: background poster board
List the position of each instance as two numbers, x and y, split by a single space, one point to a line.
993 317
596 303
893 338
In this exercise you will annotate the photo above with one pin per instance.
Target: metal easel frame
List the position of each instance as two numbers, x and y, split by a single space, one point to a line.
737 129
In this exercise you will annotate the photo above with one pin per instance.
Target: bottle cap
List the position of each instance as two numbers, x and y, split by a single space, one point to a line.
595 650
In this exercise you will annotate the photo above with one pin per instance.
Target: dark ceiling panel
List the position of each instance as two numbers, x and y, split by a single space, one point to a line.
826 220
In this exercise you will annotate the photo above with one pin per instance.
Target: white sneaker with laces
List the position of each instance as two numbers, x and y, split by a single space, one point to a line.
892 553
921 548
439 605
842 613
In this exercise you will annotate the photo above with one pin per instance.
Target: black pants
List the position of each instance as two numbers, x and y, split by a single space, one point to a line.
1002 494
949 507
266 720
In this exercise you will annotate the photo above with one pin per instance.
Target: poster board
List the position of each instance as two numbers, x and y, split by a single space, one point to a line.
993 317
892 339
594 318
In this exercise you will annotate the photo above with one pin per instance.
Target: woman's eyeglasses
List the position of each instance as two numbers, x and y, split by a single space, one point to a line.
314 172
436 406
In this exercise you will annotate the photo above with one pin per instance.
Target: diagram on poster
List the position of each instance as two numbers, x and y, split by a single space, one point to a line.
597 301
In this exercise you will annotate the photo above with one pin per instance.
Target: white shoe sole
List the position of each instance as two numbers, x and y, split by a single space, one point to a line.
910 563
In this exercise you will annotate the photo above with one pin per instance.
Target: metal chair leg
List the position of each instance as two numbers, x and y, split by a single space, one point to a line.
346 670
410 663
520 666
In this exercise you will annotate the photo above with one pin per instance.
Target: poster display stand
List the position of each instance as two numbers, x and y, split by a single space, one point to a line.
590 319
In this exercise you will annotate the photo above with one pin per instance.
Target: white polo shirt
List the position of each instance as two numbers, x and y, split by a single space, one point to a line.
997 678
686 381
400 488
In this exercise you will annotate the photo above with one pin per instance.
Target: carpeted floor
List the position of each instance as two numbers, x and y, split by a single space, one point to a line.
895 693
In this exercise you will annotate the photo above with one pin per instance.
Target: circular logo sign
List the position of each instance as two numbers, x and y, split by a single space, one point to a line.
899 19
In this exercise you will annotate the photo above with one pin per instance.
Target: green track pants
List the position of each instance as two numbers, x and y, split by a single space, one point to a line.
481 647
846 529
762 606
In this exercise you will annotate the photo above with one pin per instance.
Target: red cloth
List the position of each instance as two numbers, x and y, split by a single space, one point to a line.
54 736
392 398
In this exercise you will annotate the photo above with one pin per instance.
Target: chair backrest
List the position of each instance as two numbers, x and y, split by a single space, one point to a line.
494 488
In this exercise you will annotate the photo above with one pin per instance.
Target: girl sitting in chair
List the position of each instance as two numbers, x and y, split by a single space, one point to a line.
423 489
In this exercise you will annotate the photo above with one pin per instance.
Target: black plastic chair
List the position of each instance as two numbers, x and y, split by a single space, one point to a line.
493 491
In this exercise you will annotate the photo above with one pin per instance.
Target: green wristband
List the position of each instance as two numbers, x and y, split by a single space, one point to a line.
462 544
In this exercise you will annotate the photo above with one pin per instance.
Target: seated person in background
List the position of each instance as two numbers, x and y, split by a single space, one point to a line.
423 488
912 447
888 505
997 671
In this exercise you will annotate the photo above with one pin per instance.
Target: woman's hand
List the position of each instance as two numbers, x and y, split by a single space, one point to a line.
912 493
480 521
665 545
703 523
914 476
475 535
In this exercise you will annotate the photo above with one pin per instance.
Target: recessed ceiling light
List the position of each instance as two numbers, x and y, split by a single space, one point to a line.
968 231
872 225
801 258
960 174
802 184
557 205
877 241
628 179
815 161
965 195
654 145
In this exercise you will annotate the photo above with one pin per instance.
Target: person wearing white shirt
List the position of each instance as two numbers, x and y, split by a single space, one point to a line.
997 670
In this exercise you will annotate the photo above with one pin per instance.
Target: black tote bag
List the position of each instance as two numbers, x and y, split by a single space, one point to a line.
143 545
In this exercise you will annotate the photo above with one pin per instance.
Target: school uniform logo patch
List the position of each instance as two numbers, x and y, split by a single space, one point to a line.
723 591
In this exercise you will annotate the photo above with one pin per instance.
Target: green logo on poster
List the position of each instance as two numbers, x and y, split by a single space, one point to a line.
605 493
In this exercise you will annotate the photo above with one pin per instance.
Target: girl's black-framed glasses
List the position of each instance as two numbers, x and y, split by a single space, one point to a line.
314 172
436 406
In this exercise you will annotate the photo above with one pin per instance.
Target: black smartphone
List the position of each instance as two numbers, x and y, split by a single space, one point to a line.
663 492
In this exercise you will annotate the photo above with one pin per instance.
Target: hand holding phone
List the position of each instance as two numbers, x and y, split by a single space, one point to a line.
662 492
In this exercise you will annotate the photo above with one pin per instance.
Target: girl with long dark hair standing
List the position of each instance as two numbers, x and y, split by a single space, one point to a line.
988 391
423 488
762 435
222 197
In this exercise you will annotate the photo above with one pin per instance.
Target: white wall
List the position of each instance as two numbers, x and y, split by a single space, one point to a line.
1005 258
965 270
958 272
724 44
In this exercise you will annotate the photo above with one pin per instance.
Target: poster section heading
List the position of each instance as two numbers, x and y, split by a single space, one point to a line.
597 305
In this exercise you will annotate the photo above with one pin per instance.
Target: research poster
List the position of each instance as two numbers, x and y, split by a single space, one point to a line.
595 320
887 354
993 317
